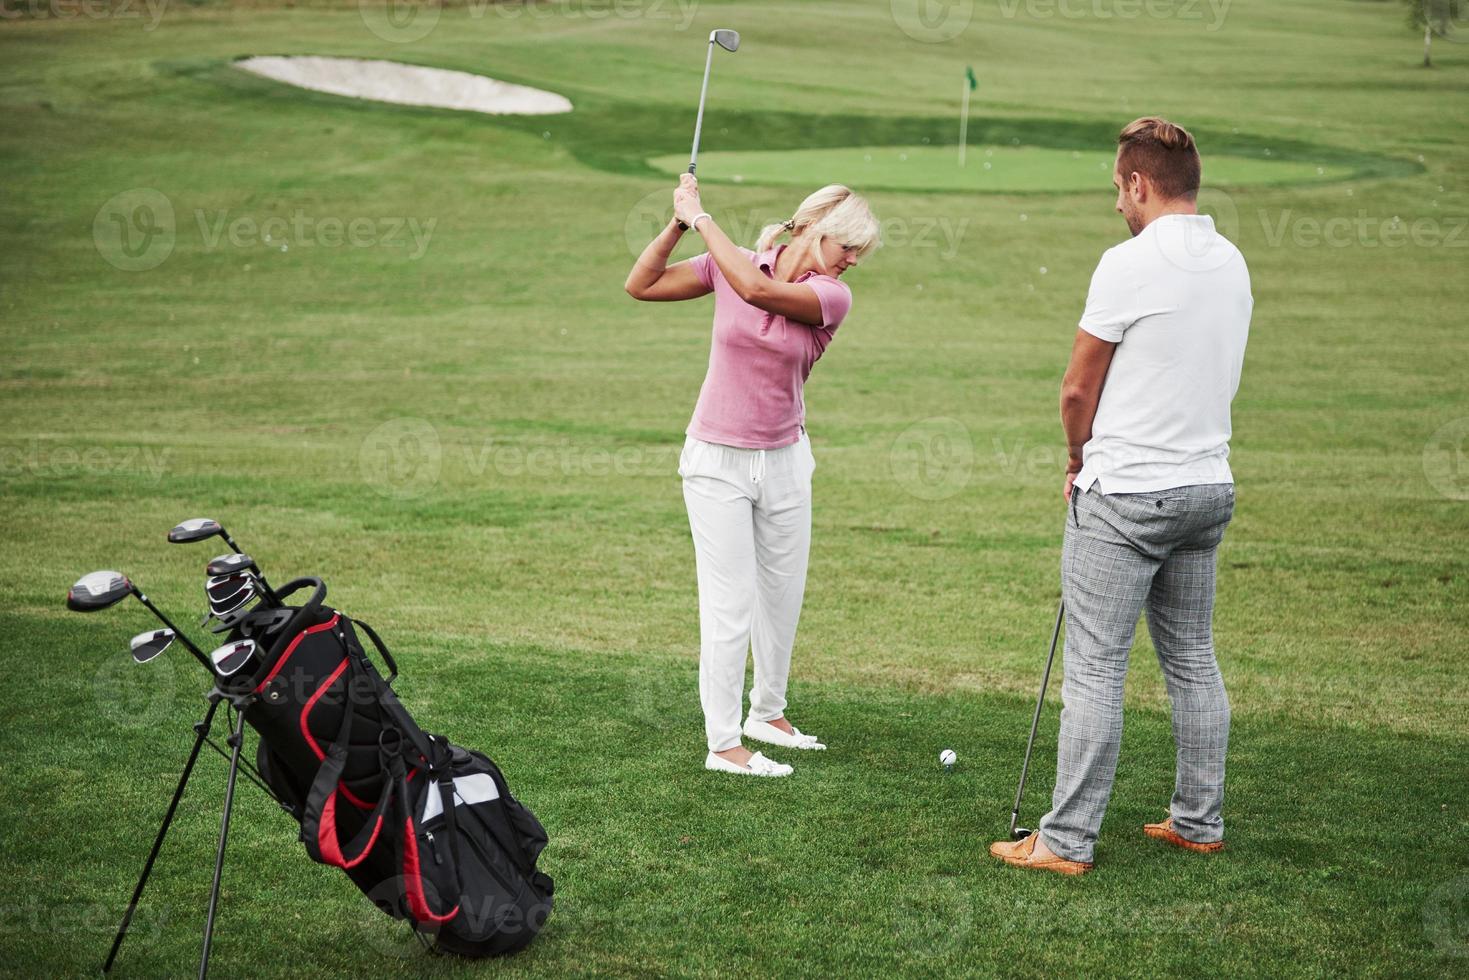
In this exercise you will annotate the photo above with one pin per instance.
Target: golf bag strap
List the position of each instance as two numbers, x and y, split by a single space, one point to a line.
319 817
382 649
407 727
409 859
451 822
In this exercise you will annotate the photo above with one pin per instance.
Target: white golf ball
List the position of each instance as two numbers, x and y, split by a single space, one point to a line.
947 757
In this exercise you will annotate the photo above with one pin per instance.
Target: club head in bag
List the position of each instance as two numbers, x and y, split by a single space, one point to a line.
102 590
222 590
228 610
99 590
726 39
229 658
199 528
150 644
231 563
195 529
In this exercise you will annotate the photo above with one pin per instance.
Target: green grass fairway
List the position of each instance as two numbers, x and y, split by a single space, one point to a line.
390 347
1015 169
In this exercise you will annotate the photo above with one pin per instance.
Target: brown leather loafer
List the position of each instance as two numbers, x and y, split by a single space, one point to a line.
1021 854
1164 831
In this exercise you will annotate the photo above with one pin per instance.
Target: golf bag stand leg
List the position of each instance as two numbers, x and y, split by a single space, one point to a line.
236 743
1016 832
201 735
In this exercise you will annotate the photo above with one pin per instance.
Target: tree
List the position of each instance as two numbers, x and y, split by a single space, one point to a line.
1440 17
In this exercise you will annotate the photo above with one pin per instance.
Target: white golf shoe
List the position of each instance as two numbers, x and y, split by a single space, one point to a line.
764 731
758 766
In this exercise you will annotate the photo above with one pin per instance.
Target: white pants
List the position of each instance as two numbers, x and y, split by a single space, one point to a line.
750 513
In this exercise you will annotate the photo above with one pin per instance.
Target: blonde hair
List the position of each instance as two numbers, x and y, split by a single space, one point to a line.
835 211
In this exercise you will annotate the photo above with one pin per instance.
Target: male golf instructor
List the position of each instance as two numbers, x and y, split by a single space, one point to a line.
1145 406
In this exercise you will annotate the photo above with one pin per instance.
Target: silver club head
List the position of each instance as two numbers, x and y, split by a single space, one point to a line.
726 39
230 563
98 590
231 657
223 606
150 644
194 529
220 587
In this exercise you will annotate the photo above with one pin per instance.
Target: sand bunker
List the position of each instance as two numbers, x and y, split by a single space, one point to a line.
389 81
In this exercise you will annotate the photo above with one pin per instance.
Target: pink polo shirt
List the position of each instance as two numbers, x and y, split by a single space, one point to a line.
759 361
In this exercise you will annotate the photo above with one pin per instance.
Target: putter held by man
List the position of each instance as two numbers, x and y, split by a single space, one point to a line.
1145 408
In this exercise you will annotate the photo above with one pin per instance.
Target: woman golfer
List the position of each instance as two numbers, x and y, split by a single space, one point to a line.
747 463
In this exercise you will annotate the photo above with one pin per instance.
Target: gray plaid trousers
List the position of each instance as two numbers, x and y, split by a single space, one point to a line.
1125 553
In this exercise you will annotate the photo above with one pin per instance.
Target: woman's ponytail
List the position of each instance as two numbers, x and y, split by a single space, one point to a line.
770 233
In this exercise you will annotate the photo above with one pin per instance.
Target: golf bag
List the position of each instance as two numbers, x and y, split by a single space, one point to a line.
428 830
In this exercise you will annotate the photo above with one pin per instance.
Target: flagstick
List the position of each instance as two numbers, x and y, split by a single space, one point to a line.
964 123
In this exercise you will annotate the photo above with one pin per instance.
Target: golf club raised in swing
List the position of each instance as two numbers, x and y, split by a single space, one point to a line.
729 41
1017 832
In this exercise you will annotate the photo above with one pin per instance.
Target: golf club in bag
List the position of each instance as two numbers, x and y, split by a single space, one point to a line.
428 830
1017 832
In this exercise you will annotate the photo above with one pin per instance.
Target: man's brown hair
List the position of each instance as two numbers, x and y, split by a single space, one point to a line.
1164 153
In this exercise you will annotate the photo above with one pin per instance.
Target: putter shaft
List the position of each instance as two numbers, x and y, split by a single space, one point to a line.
1035 719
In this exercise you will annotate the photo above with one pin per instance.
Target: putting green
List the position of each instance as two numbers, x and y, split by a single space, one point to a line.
987 168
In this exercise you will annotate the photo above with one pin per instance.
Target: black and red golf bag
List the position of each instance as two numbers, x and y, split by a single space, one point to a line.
426 829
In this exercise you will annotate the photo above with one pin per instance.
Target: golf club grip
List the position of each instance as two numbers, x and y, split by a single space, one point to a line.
681 225
692 165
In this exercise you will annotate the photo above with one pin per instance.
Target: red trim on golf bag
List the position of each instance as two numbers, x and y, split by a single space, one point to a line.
311 742
319 817
413 880
326 840
295 642
478 857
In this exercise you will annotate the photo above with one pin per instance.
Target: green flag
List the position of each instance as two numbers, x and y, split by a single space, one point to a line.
973 82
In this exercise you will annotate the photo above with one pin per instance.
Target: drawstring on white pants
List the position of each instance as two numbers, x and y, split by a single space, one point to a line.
757 466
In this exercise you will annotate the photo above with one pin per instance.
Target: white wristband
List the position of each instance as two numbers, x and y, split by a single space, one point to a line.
702 214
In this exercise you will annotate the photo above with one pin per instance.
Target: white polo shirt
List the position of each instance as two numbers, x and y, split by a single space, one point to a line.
1176 301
